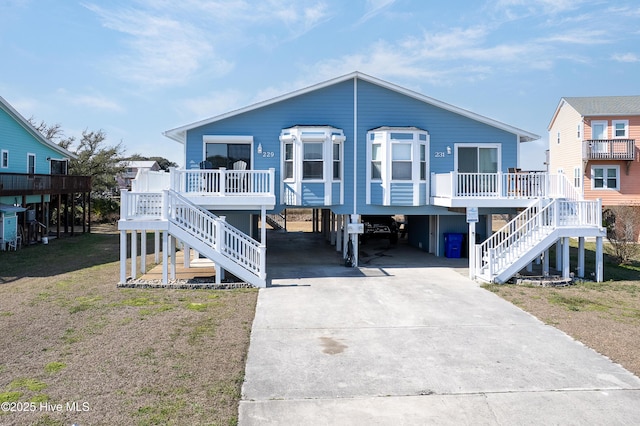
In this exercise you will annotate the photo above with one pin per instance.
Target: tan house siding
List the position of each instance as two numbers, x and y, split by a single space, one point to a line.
567 154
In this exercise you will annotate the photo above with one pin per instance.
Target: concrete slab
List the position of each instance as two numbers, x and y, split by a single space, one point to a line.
416 344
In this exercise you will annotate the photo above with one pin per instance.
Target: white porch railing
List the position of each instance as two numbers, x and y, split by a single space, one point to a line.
502 185
223 182
200 225
529 228
140 205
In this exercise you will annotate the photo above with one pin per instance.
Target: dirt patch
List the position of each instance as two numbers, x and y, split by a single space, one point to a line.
77 349
604 316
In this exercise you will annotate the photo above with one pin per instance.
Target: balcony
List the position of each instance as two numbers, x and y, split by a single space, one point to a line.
16 184
609 149
213 189
500 189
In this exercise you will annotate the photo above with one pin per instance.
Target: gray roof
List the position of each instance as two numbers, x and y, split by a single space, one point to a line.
605 105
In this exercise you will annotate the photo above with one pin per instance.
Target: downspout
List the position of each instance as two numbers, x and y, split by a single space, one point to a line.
354 217
355 144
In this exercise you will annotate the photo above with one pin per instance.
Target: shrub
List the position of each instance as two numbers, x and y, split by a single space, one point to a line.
623 227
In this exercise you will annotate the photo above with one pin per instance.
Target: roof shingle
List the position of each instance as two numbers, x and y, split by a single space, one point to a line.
605 105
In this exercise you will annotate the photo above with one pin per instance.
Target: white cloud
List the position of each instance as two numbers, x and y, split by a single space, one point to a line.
626 57
374 7
168 42
97 102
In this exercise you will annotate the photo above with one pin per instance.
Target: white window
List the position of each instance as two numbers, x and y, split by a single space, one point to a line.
401 161
558 137
599 130
4 162
312 161
398 154
577 177
605 177
423 162
288 161
579 130
337 161
620 128
312 153
31 163
376 161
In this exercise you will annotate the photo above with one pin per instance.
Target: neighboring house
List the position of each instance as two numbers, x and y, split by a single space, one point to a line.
353 146
594 141
131 171
34 177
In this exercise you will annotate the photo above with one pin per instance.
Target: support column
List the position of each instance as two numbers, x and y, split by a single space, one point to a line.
472 249
143 251
263 225
123 256
218 273
134 254
545 263
355 218
165 257
599 260
172 251
186 261
157 247
581 257
339 233
565 258
559 255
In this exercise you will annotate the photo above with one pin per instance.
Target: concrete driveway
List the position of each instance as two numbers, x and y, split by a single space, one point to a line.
409 342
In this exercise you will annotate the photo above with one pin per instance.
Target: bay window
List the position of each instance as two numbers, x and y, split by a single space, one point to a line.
312 162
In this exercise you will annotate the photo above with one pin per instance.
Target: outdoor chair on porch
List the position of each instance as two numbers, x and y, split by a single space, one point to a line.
238 181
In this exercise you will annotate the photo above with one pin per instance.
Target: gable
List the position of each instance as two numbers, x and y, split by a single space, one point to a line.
180 134
20 138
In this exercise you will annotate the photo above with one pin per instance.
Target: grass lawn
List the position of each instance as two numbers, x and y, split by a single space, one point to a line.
77 349
604 316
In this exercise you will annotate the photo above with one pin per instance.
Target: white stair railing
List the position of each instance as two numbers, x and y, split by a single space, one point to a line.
214 232
528 229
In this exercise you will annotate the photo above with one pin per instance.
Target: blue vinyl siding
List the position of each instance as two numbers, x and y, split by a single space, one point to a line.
313 194
334 106
422 199
18 142
335 193
401 194
331 106
377 194
379 106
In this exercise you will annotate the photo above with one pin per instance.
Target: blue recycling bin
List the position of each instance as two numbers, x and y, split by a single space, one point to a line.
453 244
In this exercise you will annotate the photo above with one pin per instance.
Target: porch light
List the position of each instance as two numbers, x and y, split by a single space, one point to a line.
259 148
448 150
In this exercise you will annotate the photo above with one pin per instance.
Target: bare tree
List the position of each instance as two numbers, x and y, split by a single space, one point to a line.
623 228
54 133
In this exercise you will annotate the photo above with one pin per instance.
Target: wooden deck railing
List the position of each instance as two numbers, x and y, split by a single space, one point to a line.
609 149
13 184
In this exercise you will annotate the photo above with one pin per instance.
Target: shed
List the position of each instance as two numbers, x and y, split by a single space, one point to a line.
9 225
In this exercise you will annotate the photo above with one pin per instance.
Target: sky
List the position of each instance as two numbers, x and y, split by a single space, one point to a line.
137 68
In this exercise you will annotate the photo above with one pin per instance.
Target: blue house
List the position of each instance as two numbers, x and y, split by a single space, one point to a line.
33 173
352 147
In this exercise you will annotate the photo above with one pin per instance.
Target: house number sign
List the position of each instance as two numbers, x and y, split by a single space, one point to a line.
439 154
268 154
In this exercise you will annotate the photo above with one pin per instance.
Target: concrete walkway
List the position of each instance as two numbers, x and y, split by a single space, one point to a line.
400 343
